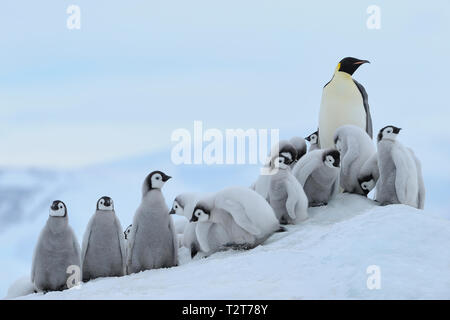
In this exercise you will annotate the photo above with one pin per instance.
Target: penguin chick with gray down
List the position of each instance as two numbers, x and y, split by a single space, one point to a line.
355 147
300 147
369 174
313 140
286 195
245 215
184 205
262 184
318 174
56 250
153 242
401 179
103 251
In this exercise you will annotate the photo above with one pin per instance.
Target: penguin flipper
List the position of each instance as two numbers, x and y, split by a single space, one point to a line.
174 241
86 237
121 237
369 128
297 202
406 185
421 184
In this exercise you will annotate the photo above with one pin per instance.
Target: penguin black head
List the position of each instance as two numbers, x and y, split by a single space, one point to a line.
127 231
201 213
155 180
58 209
288 153
349 65
313 137
177 206
388 132
367 183
105 203
331 158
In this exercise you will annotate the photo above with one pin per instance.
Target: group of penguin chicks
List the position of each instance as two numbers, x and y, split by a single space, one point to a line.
235 217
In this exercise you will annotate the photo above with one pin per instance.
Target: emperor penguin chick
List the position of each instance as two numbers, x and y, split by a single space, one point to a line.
56 250
153 241
286 195
245 215
313 140
215 235
184 205
262 184
355 147
103 251
369 174
401 178
318 173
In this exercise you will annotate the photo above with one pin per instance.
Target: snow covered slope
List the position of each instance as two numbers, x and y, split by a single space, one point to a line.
326 257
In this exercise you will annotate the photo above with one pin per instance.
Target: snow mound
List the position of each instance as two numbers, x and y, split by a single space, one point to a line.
326 257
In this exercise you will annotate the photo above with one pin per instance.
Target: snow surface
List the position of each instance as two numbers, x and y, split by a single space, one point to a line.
326 257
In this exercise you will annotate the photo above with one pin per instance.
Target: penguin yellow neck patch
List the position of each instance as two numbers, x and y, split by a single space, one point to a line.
338 67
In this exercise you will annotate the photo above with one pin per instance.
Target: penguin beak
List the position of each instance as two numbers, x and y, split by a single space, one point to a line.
362 62
165 178
172 211
107 203
308 139
193 219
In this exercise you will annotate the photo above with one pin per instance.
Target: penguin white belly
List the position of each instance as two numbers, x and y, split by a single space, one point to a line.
341 104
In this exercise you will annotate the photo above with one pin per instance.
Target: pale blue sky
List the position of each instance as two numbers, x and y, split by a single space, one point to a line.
137 70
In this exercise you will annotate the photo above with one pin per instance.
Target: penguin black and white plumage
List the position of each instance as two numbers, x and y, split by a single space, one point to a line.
355 147
318 174
313 140
103 251
401 178
245 215
300 147
369 174
262 184
286 195
344 101
56 250
153 242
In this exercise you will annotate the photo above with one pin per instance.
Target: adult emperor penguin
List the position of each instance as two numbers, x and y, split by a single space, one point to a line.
355 147
286 195
318 173
313 140
344 101
103 251
56 250
153 241
401 178
244 214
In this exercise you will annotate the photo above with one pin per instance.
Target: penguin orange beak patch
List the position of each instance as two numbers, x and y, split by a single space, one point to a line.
362 61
